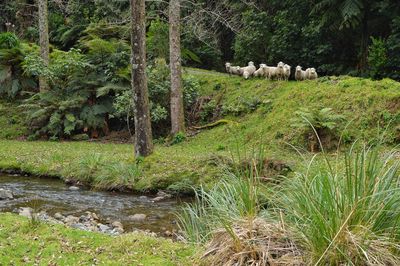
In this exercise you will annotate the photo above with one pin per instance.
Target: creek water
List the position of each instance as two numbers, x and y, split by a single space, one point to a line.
52 196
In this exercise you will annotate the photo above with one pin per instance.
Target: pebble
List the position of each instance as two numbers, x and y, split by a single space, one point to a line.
59 216
6 194
26 212
138 217
73 188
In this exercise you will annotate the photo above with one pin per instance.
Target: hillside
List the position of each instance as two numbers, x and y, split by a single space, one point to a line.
255 113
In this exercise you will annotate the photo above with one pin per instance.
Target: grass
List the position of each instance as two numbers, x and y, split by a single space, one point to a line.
347 213
335 211
11 121
43 244
262 112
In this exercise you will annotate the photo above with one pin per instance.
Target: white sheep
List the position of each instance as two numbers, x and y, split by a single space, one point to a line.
269 72
286 71
311 73
228 67
300 74
249 70
279 73
260 72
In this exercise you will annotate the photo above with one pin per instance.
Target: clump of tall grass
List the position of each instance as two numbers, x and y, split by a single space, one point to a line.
346 212
116 176
227 218
90 165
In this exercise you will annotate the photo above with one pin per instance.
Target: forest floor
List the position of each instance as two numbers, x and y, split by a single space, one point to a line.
24 242
255 113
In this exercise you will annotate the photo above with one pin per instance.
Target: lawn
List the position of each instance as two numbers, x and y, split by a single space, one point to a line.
25 243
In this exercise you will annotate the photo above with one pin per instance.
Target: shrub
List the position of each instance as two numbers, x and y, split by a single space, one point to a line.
323 121
377 57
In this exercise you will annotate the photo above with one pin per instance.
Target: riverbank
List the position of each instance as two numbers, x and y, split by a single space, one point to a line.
237 117
22 242
109 166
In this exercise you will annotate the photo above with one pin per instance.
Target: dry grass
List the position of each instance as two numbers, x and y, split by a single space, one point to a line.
252 242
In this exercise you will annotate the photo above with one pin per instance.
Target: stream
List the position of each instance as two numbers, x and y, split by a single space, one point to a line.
53 196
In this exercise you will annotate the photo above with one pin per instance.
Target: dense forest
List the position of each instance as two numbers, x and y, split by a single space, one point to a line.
186 132
90 51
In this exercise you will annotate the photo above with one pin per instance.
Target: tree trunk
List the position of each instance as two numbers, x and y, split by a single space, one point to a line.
364 40
143 135
177 113
43 40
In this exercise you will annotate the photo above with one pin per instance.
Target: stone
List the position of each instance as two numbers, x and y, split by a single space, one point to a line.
59 216
26 212
168 233
138 217
157 199
95 216
70 219
163 194
73 188
118 227
79 226
143 198
103 227
6 194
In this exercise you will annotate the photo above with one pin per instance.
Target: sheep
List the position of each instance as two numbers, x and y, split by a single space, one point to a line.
300 74
311 73
279 73
270 72
260 72
235 70
228 67
286 71
249 70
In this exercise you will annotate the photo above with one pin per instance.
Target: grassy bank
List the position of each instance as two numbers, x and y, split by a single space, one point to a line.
22 243
256 113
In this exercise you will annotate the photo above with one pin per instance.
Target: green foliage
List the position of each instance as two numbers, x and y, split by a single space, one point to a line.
178 138
252 43
13 79
158 39
232 199
159 85
324 118
346 212
8 40
377 57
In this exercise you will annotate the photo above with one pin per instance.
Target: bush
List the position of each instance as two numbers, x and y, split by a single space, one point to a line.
8 40
377 58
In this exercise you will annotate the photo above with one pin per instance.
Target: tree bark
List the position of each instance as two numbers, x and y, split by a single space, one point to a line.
143 134
177 112
43 40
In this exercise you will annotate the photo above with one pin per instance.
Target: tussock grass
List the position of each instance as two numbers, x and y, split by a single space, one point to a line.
346 211
342 210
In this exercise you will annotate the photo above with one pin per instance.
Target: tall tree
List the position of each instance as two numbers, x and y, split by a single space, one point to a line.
143 134
354 14
43 39
177 113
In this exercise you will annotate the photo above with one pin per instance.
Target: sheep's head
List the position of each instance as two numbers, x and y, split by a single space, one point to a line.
262 65
227 64
286 66
312 70
280 64
251 63
298 68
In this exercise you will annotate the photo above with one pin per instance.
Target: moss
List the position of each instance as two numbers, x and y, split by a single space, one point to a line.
22 243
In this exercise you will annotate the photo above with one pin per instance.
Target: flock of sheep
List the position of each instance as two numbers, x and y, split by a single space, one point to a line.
280 72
